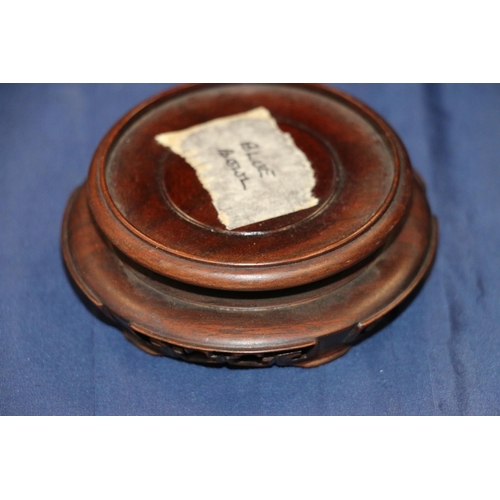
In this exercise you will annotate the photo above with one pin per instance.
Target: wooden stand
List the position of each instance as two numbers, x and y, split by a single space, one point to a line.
143 241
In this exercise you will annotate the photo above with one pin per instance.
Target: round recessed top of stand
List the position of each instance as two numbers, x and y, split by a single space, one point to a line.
149 202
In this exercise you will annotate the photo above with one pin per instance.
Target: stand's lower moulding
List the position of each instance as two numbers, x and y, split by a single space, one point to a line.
153 238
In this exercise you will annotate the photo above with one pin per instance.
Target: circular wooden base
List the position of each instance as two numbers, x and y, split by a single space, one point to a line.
306 326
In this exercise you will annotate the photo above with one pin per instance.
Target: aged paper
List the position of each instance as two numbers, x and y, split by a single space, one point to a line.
252 170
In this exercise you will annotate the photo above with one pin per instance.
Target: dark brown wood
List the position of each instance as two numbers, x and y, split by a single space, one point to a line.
143 241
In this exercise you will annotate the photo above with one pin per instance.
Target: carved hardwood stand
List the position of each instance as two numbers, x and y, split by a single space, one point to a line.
142 239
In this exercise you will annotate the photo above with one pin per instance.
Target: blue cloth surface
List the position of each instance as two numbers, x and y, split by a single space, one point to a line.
441 355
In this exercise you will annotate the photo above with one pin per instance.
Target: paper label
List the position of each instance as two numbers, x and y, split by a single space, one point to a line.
252 170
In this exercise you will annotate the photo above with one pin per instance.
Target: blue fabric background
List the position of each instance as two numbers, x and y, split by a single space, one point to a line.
441 355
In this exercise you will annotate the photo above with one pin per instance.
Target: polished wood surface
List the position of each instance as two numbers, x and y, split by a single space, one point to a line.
142 240
363 183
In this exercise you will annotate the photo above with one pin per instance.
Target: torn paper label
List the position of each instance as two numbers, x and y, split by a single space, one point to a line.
252 170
